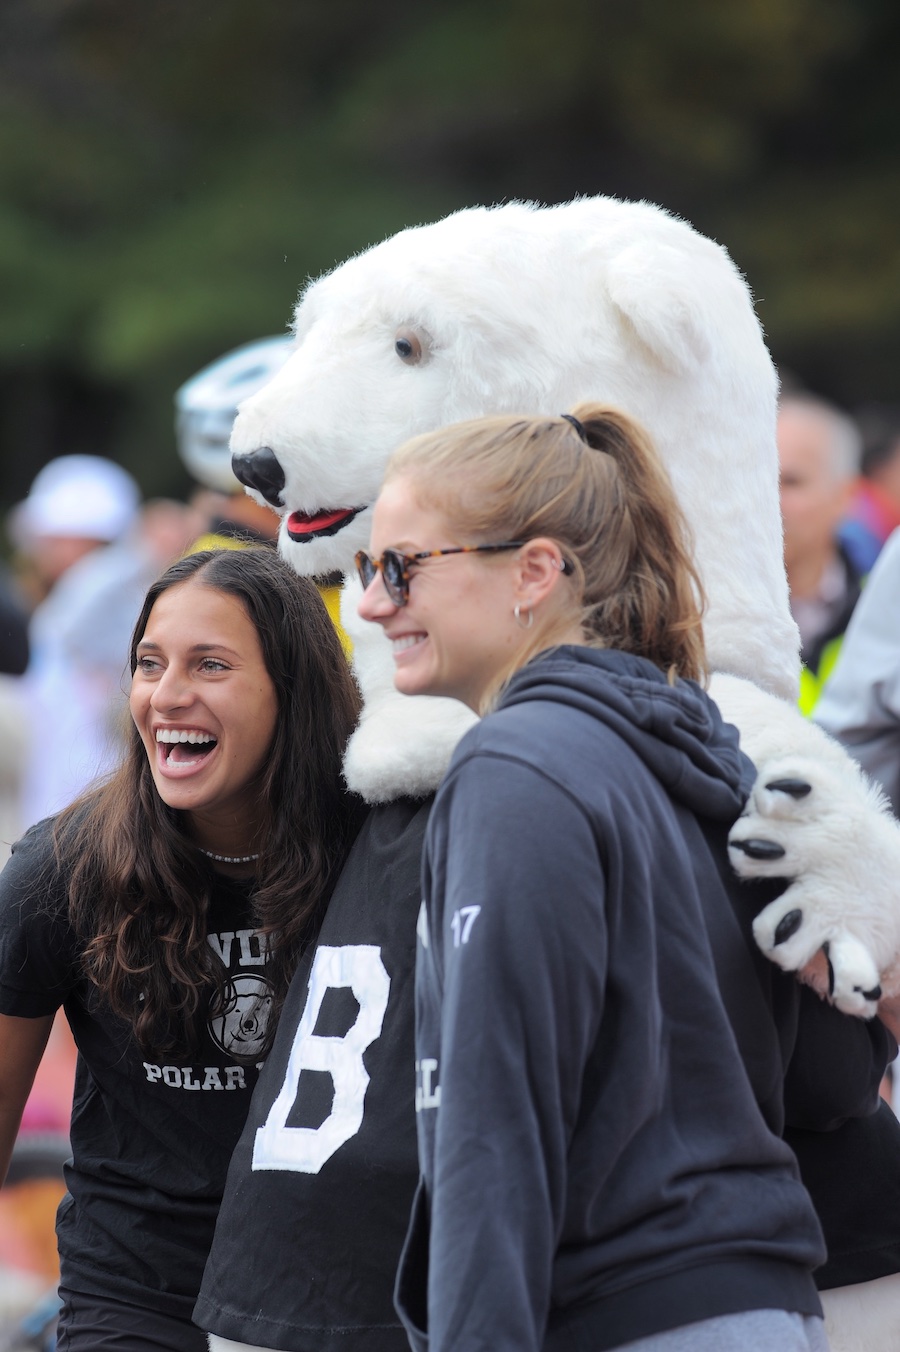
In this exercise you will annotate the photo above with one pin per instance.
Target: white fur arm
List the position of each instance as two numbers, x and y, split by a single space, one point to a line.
814 818
403 744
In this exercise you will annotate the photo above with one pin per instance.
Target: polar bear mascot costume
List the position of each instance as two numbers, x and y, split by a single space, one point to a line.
530 310
519 309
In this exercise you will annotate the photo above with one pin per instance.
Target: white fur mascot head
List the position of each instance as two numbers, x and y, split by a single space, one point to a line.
526 309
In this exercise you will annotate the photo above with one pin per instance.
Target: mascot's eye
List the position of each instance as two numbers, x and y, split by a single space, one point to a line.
409 346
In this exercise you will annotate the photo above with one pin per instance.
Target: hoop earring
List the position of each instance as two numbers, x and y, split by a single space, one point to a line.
517 611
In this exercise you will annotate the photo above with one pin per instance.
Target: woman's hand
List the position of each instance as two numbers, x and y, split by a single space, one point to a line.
816 974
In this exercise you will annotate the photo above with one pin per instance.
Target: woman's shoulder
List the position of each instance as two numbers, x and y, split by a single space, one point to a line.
36 845
528 726
38 948
33 866
33 898
529 742
511 730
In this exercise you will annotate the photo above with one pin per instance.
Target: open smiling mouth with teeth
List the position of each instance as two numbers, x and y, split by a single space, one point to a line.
178 746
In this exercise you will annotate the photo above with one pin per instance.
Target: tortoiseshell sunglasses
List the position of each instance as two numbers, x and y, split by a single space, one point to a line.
394 566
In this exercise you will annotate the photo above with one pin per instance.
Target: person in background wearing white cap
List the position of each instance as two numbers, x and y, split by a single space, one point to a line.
97 549
76 504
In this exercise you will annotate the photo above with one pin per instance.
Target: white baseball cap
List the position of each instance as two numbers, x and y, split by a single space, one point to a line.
78 495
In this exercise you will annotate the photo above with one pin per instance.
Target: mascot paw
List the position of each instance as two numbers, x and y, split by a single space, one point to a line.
836 964
777 835
829 836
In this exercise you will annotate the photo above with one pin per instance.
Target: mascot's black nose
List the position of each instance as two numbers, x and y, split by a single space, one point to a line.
261 470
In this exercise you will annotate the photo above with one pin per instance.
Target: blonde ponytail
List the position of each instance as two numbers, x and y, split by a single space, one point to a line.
594 483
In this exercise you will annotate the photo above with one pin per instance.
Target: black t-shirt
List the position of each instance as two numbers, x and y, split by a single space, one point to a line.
151 1141
321 1183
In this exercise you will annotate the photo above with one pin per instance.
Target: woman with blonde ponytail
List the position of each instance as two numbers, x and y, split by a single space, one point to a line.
601 1051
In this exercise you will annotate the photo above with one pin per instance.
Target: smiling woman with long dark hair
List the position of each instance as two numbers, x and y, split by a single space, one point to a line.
165 911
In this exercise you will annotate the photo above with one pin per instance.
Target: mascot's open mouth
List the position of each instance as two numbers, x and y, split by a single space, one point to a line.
309 526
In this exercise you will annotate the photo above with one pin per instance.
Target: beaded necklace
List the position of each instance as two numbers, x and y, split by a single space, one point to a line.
228 858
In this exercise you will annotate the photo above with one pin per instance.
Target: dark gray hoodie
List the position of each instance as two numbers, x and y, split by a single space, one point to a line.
601 1050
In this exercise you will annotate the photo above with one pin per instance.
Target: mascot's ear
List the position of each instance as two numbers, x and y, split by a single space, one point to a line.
659 292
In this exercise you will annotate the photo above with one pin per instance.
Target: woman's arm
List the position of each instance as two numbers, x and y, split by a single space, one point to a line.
22 1043
505 1022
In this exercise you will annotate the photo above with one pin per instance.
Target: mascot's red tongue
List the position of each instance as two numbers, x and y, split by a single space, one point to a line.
300 524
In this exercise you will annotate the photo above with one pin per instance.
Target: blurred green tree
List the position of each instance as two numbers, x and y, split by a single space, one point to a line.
171 173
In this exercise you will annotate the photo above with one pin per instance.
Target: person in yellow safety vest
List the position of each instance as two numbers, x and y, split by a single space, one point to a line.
819 450
860 705
812 679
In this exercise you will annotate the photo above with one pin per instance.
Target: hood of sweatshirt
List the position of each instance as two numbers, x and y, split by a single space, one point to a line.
676 730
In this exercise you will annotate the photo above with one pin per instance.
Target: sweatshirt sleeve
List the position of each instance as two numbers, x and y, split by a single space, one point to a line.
509 1001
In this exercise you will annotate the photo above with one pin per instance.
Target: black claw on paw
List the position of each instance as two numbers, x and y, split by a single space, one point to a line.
788 925
830 969
873 994
759 849
796 788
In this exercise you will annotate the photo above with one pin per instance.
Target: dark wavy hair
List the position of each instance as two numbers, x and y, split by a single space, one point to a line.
138 889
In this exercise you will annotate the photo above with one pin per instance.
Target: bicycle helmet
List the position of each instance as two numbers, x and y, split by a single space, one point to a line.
206 406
